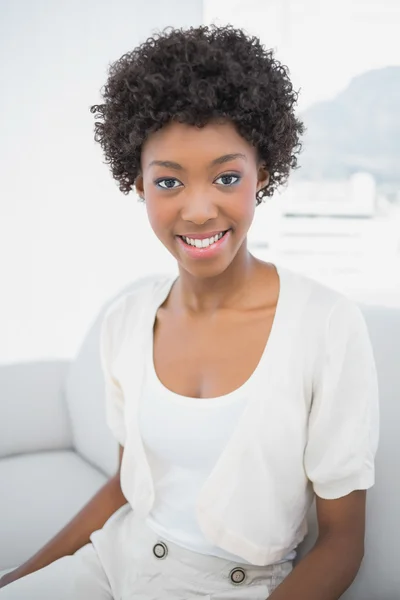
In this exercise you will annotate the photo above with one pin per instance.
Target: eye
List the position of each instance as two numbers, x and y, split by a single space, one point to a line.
168 181
229 176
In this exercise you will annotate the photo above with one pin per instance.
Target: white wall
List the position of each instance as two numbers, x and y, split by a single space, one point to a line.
69 239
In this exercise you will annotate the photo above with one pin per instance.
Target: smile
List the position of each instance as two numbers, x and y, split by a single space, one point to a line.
205 247
204 242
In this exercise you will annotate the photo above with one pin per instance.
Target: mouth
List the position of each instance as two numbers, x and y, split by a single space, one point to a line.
203 242
204 247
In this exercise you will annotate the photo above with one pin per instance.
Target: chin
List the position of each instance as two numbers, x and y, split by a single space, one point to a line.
203 271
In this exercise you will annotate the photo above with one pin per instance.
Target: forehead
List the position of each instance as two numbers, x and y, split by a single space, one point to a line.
184 143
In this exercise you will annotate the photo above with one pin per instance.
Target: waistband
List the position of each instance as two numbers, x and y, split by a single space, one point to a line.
146 545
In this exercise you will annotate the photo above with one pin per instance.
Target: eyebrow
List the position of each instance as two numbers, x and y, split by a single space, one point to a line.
217 161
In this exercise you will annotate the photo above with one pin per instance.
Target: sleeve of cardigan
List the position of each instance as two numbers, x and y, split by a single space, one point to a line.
343 427
114 397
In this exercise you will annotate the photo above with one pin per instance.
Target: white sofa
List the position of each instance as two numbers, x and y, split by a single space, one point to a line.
56 452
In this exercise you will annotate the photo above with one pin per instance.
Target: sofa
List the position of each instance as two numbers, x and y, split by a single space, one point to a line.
56 451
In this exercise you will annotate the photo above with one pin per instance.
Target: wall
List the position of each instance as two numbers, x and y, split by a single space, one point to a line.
69 239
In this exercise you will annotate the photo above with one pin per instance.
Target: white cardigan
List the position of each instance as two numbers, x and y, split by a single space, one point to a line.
313 427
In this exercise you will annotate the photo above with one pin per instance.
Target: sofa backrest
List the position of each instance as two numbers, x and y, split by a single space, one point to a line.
85 395
379 576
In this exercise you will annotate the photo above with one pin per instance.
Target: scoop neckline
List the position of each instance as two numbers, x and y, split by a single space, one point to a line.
238 392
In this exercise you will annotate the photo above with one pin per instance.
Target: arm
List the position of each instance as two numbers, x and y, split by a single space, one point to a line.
331 566
342 438
76 533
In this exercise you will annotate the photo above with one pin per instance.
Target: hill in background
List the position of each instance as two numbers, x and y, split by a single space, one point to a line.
359 130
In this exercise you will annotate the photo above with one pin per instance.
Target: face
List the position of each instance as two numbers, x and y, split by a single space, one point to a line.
199 186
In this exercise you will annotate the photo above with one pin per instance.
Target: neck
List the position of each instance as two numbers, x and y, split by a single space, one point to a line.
208 294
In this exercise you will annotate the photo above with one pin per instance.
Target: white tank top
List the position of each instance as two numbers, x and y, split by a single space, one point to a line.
183 437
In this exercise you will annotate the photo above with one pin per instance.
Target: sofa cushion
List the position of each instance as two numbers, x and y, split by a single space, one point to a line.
33 411
85 395
40 493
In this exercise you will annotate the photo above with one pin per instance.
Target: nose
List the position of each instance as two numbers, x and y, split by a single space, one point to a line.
199 208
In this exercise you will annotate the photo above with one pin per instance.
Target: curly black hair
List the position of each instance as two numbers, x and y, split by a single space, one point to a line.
192 76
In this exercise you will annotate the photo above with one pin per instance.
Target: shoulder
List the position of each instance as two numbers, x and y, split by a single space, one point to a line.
317 301
136 297
321 318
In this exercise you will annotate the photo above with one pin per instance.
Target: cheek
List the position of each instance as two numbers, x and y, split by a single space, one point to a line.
242 211
157 214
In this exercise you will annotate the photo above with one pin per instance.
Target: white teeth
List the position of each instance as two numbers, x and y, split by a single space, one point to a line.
205 242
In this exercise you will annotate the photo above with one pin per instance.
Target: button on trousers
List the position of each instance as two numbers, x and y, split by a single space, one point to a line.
126 560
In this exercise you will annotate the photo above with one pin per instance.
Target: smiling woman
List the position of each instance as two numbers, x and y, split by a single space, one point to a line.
239 389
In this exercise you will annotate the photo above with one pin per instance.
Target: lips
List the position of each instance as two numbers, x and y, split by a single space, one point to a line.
196 249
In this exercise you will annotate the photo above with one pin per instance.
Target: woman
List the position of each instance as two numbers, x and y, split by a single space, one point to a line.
239 390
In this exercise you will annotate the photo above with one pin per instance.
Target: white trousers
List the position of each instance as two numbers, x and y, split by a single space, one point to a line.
126 560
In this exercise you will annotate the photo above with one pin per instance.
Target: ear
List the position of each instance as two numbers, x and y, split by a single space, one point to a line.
139 186
263 177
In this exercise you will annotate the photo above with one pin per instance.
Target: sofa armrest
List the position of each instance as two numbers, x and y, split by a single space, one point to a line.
33 412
